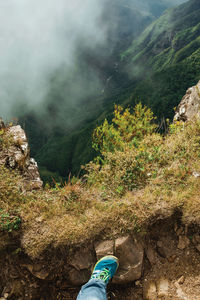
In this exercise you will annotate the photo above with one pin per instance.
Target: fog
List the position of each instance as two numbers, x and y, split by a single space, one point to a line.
42 64
37 38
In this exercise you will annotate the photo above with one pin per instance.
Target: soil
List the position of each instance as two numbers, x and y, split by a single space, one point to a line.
171 270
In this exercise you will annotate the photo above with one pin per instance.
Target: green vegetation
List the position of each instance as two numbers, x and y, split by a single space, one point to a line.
161 64
9 222
114 141
148 176
125 130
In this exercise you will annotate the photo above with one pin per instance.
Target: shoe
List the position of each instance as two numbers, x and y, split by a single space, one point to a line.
105 268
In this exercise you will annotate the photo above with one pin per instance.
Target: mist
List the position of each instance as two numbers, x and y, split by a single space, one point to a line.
39 41
51 55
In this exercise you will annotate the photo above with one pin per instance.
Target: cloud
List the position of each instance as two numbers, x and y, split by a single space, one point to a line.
39 38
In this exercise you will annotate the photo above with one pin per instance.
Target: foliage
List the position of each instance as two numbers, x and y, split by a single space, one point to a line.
128 168
11 188
9 222
126 158
157 70
126 129
133 186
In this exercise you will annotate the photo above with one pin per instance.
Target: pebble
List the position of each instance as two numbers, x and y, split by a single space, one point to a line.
181 280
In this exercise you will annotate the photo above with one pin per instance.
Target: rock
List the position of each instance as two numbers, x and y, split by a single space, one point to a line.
104 248
151 254
181 280
17 156
37 271
196 239
198 247
149 291
183 242
6 295
165 247
179 230
162 287
180 292
19 138
196 174
32 173
130 253
137 283
189 107
77 278
84 258
172 258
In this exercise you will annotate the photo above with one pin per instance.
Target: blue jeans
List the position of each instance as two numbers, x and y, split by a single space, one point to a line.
94 289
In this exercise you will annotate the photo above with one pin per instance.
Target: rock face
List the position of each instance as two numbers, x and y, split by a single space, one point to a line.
189 107
17 156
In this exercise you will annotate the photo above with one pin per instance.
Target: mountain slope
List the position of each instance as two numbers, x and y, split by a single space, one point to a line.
156 69
169 40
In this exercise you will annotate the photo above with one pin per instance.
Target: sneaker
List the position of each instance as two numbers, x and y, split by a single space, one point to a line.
105 268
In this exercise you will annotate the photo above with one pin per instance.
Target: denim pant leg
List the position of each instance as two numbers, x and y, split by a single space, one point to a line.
94 289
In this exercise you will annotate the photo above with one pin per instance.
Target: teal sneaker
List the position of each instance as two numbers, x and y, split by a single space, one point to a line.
105 268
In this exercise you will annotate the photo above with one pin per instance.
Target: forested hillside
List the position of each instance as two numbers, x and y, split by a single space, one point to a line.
168 54
155 69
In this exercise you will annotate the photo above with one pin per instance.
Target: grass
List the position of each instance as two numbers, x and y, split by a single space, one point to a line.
76 213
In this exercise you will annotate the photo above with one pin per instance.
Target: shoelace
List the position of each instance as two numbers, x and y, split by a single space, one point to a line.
103 275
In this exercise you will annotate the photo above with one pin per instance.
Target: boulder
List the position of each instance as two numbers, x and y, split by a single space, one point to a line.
84 258
149 291
189 107
130 253
162 288
37 270
17 156
104 248
77 278
183 242
164 248
82 264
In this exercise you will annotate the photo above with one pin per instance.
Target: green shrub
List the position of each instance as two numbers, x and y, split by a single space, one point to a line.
125 158
126 128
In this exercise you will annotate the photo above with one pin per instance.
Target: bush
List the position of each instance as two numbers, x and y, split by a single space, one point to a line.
125 161
126 128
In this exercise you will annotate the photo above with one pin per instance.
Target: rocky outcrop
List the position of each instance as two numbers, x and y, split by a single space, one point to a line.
17 156
189 107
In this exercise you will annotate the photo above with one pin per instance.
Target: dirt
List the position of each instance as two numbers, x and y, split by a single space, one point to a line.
171 270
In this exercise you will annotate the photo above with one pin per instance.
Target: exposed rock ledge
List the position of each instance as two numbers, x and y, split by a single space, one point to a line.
17 156
189 107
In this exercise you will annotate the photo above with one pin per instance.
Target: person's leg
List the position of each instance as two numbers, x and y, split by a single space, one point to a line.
95 289
103 271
